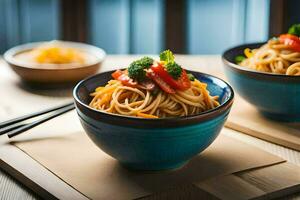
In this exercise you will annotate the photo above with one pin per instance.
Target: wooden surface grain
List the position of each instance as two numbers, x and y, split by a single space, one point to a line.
11 189
261 183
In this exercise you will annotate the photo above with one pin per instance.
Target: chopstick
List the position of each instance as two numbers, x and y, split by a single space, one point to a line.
19 119
10 128
26 127
13 127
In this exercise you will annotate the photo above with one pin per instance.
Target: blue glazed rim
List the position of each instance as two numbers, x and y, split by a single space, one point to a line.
121 120
228 59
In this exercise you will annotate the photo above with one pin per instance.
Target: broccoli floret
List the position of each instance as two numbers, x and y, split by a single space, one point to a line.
136 70
295 30
171 66
145 62
191 77
166 56
238 59
174 69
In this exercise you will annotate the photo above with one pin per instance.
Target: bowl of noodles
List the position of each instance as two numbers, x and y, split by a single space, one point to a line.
267 75
54 62
153 115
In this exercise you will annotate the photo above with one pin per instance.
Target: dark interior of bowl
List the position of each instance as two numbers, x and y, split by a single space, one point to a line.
231 53
215 86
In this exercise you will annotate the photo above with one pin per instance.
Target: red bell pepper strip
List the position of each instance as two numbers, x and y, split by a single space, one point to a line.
182 83
160 82
125 79
291 40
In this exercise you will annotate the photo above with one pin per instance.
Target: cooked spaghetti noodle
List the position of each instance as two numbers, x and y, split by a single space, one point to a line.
273 57
280 55
124 100
154 89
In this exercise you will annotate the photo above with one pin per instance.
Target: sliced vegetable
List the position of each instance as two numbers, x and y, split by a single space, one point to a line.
182 83
239 59
160 82
295 30
291 40
144 115
99 89
125 80
147 84
117 74
248 53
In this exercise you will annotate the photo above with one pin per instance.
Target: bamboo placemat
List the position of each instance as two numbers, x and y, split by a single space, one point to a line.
10 107
246 119
79 163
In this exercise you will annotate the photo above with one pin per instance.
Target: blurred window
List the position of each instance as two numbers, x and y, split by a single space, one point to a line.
146 26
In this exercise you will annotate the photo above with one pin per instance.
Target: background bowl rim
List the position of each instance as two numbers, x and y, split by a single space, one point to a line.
8 56
252 71
203 115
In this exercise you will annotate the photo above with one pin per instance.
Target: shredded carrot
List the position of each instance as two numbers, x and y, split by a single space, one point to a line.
139 114
106 98
99 89
205 93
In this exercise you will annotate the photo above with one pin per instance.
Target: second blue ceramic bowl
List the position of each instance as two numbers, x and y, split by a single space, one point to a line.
276 96
152 144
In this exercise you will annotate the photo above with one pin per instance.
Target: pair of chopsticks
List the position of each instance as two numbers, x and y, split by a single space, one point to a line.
16 126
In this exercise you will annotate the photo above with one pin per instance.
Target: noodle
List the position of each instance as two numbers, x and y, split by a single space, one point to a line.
153 89
119 99
273 57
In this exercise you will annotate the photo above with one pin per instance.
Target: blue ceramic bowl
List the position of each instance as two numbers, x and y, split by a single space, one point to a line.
152 144
275 96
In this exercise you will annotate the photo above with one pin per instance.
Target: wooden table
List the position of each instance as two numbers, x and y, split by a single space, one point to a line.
11 189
